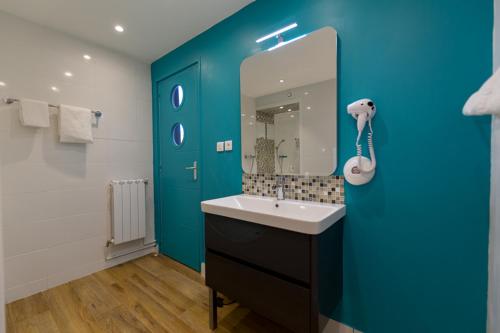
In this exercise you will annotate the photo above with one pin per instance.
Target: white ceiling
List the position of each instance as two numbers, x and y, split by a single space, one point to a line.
153 27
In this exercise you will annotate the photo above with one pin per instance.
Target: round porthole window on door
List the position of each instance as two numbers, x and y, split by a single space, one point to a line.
177 96
178 134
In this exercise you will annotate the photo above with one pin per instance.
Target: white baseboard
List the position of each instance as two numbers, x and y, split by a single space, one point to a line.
25 290
328 325
202 270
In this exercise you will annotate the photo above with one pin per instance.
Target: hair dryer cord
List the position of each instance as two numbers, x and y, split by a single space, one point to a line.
359 149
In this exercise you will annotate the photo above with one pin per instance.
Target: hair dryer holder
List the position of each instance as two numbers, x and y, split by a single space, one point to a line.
360 170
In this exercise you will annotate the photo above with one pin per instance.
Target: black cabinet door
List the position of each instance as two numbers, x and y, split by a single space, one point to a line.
279 300
281 251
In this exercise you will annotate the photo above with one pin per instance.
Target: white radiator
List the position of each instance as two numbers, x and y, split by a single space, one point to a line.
129 210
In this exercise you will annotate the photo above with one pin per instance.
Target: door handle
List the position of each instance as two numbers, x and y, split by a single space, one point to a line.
195 170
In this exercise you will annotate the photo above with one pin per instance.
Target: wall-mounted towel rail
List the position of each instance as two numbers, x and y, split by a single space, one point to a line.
97 114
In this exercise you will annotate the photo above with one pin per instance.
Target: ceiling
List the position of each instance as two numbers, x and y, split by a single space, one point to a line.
152 27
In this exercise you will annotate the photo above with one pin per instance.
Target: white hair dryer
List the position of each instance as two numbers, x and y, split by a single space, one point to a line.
360 170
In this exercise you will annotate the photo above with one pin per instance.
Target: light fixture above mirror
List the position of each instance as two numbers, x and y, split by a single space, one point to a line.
277 33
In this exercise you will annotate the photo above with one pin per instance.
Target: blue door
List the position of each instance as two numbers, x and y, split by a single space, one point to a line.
179 166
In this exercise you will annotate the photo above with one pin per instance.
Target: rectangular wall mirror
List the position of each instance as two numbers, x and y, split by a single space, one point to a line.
289 108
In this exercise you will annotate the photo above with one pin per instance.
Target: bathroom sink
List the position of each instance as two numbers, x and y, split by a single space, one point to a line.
300 216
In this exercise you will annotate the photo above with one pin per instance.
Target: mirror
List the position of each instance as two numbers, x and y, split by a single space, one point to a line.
289 108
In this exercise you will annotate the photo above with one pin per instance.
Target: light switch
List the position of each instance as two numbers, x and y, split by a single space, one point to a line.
220 146
228 145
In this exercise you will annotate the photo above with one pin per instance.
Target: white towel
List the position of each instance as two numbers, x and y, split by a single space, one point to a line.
75 124
486 100
34 113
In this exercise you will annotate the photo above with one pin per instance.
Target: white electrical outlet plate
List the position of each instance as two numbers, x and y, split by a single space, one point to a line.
220 146
228 145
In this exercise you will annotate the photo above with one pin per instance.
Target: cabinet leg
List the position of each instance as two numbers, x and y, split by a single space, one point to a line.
212 297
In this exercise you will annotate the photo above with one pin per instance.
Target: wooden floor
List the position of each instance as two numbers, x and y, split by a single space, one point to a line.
150 294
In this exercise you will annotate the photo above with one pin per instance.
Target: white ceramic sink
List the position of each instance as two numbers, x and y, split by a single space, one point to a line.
300 216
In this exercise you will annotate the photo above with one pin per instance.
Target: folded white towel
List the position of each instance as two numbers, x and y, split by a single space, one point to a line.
75 124
486 100
34 113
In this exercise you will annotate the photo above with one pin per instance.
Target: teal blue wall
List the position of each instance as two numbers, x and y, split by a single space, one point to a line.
416 237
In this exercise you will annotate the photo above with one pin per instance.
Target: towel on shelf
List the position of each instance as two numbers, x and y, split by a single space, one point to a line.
34 113
486 100
75 124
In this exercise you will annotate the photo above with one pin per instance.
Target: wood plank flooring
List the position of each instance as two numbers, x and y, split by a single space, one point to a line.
149 294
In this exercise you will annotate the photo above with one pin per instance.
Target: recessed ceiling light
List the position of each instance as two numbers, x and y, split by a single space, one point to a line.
281 81
119 28
292 116
2 84
68 74
309 108
281 107
87 57
54 88
289 110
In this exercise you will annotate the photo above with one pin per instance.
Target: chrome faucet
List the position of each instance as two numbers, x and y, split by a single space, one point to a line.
280 188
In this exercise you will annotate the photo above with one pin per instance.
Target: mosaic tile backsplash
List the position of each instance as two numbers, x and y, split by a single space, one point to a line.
329 189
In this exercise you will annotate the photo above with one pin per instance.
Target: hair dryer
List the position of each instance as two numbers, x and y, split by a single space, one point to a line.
360 170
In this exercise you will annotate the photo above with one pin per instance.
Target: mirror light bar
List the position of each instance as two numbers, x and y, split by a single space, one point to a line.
285 43
277 32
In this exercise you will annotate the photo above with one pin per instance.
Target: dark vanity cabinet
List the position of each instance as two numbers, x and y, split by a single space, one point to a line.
283 275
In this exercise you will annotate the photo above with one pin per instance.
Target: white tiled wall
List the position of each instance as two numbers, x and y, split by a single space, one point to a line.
55 198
